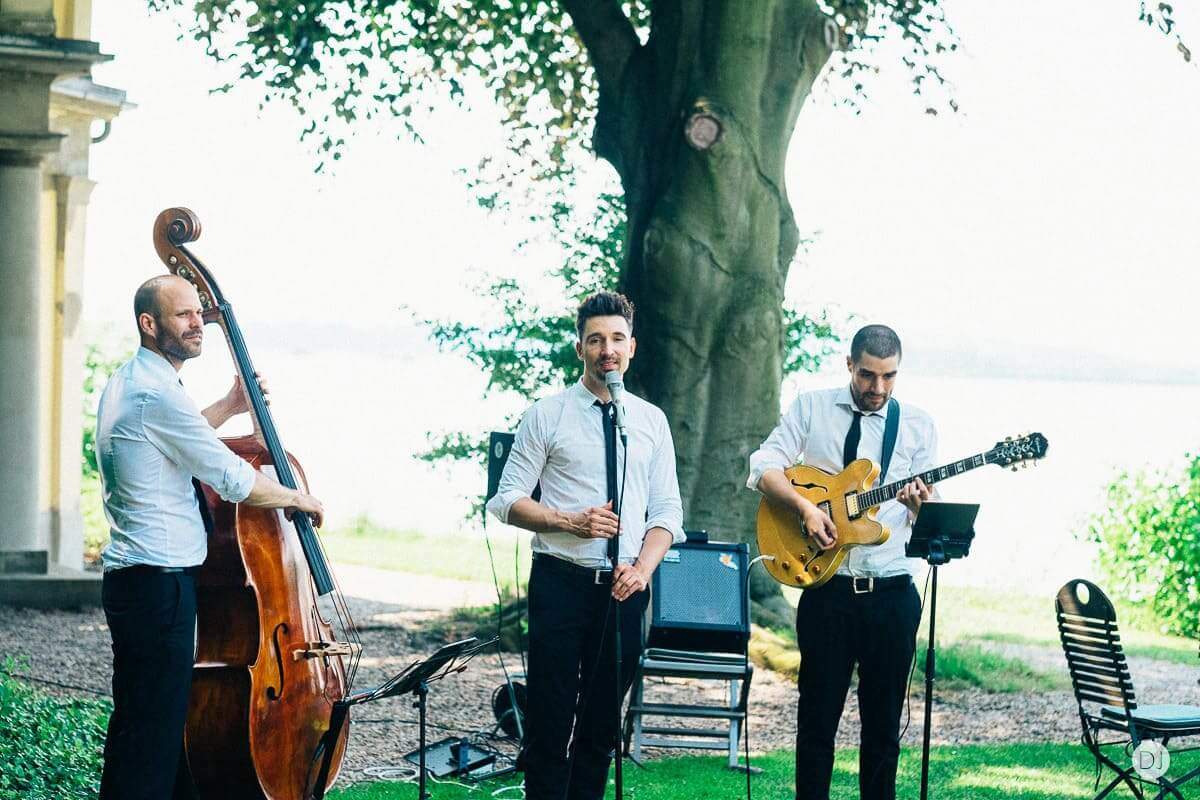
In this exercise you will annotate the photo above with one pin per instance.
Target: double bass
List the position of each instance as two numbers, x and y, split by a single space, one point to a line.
276 648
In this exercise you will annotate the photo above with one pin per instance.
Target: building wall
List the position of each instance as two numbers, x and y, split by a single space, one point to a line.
70 107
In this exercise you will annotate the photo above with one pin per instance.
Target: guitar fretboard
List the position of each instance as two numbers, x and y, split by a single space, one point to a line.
880 494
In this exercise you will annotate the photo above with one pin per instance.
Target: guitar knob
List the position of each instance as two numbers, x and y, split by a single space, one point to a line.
815 569
786 565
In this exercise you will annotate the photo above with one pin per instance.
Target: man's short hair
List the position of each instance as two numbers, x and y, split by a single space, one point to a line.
145 299
876 340
603 304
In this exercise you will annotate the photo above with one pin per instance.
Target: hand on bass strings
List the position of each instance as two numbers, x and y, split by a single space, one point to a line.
233 403
235 398
309 505
819 526
914 494
628 580
598 522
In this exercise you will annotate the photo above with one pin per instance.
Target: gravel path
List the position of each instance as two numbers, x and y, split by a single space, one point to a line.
73 647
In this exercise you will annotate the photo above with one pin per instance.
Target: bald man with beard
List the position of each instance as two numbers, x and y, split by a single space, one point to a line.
151 442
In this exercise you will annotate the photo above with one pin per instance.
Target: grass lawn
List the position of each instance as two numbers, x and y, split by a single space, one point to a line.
967 613
978 772
462 556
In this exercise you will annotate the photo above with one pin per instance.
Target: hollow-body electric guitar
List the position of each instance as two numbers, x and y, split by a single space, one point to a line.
846 497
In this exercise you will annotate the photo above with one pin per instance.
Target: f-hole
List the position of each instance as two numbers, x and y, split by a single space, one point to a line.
274 693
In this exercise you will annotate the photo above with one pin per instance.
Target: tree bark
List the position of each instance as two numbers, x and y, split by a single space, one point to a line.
699 132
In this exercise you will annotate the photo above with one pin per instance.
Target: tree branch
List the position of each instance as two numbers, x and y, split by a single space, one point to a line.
608 36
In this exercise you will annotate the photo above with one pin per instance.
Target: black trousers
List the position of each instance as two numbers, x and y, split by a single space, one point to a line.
572 680
837 629
152 618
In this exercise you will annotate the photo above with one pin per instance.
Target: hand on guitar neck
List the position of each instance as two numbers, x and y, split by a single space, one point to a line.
913 495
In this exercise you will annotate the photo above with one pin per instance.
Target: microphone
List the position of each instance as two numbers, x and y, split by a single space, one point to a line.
616 391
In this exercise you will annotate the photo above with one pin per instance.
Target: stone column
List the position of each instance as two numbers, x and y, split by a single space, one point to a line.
20 460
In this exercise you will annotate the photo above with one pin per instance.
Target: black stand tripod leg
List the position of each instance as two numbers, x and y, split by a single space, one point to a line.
930 672
422 692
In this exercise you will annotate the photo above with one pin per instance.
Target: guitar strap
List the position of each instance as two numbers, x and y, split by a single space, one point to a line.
890 429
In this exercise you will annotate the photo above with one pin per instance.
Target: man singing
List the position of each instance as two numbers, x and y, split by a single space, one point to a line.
867 613
151 441
560 444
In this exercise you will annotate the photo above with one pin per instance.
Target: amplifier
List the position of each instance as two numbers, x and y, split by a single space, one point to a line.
700 598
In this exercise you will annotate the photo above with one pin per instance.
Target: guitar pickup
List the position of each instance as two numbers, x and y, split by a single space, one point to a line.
852 505
325 650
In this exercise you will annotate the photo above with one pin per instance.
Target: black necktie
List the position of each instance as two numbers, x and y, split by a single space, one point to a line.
610 449
850 449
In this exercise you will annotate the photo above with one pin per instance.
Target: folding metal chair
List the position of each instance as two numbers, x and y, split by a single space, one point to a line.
700 625
1087 626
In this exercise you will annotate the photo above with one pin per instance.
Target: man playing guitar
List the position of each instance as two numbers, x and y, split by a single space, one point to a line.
866 614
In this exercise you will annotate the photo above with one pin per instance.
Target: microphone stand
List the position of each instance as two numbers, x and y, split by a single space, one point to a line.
611 434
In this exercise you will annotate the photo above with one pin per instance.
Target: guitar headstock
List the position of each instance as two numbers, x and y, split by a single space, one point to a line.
1021 451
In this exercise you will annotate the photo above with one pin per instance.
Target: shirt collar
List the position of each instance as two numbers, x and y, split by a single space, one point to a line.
846 400
584 395
157 365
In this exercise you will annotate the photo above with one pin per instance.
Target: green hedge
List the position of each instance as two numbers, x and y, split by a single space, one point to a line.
50 748
1149 537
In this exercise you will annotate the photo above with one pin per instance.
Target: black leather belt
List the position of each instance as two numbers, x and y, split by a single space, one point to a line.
150 569
592 575
858 585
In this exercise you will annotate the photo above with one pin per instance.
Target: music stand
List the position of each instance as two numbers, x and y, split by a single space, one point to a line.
415 680
941 532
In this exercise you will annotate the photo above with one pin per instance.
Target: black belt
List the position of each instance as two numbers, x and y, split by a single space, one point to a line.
594 575
859 585
151 569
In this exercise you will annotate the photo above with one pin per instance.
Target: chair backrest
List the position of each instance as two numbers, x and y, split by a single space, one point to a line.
1087 626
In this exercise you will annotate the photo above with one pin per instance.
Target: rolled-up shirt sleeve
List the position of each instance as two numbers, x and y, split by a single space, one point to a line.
524 466
176 427
786 443
664 509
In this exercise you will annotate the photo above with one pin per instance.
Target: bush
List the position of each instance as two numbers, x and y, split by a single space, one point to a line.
1149 537
50 748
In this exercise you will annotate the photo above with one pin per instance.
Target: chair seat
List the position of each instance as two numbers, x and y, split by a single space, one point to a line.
1160 717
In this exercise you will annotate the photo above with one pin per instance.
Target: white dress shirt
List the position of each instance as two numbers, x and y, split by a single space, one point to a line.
151 439
560 443
814 431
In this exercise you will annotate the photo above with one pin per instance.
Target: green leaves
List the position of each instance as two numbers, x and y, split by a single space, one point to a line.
50 748
97 367
1149 537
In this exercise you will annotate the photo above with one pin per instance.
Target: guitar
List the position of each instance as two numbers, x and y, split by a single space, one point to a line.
797 559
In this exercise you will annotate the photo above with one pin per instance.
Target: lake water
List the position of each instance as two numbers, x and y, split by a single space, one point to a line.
356 407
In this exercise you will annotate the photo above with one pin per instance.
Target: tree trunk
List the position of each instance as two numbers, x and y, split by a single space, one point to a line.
700 139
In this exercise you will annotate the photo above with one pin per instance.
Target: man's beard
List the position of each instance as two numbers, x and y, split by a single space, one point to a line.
174 346
860 400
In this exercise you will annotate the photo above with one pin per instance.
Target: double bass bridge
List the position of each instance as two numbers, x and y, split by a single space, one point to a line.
326 650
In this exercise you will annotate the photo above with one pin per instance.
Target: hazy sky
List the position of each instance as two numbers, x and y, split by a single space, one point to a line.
1058 209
